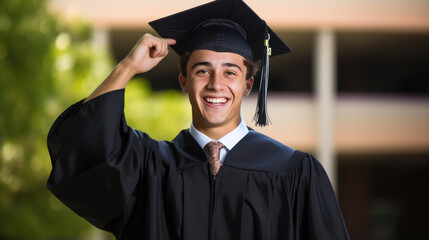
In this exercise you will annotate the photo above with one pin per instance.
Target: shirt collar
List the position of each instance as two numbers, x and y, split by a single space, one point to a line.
229 140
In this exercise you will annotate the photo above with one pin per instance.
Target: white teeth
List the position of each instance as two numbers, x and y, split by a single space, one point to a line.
216 100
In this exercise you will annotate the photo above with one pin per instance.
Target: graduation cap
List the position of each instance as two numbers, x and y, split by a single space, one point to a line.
226 26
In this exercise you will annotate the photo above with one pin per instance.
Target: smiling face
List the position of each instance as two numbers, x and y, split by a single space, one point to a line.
216 83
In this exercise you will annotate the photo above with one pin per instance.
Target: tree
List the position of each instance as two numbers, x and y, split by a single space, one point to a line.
45 66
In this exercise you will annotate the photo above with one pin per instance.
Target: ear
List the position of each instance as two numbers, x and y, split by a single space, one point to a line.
182 81
249 85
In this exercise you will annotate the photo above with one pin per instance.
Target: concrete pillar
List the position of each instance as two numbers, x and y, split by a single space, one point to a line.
325 91
100 38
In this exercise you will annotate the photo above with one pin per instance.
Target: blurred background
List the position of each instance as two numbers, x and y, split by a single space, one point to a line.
354 92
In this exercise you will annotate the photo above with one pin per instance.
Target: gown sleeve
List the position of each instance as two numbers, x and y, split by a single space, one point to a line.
318 215
95 160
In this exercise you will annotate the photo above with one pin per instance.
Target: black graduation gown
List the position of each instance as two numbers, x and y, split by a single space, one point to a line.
122 181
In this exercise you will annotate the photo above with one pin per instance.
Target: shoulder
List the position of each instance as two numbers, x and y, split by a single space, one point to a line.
262 140
257 151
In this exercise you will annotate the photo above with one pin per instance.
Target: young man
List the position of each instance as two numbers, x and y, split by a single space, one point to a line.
216 180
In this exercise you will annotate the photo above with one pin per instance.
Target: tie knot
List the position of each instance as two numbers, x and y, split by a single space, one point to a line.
214 148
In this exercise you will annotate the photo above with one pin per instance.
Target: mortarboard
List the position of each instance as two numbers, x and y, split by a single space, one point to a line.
226 26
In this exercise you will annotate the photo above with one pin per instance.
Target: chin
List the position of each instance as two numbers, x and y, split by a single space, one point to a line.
215 122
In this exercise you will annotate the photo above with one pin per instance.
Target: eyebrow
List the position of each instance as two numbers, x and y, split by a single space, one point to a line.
231 65
208 64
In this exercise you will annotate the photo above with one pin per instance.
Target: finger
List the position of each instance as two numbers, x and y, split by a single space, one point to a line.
170 41
154 52
158 49
163 49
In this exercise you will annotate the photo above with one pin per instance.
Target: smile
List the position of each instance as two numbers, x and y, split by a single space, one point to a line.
215 101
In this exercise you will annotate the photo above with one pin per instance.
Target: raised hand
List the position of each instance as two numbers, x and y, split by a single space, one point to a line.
147 53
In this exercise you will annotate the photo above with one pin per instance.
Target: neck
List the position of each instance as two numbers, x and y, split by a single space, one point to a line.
216 132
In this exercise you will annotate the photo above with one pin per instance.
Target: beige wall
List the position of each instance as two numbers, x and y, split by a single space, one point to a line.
363 124
409 15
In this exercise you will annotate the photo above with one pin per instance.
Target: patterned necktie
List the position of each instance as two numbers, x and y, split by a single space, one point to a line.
214 148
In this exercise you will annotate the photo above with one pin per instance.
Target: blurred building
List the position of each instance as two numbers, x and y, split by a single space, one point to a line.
355 92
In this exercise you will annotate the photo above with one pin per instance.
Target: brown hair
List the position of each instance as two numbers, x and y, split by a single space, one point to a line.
251 67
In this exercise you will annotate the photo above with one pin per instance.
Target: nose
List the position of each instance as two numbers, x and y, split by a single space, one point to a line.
216 82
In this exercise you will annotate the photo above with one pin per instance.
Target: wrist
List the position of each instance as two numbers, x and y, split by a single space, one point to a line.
126 70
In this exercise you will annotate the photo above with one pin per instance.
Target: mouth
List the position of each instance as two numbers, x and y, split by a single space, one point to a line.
215 101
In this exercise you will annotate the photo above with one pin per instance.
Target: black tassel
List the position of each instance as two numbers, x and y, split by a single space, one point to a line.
261 116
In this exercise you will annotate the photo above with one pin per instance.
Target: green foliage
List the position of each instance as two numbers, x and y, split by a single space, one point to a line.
29 84
45 66
161 115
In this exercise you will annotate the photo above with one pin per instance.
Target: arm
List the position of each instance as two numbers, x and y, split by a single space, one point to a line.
96 157
145 55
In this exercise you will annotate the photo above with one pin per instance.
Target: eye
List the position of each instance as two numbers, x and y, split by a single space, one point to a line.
230 73
202 72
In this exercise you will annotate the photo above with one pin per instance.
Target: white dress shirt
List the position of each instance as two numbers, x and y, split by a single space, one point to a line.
229 140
